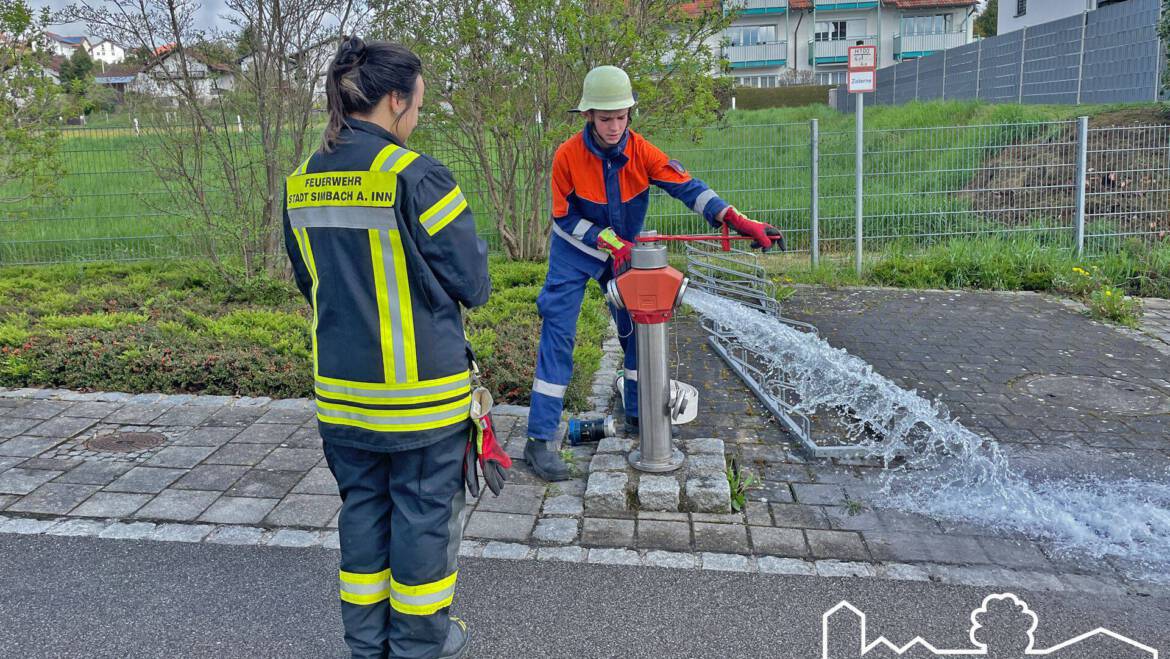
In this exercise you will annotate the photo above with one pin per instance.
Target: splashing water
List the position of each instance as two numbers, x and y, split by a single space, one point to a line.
951 472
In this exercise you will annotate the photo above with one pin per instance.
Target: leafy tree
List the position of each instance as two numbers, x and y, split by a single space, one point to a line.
29 106
502 76
987 23
77 69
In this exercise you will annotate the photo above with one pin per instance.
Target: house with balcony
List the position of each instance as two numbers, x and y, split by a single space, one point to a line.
779 42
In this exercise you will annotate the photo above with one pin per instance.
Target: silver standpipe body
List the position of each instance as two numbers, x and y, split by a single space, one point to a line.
656 452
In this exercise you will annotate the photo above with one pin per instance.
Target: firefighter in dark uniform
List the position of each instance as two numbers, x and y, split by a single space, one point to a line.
385 250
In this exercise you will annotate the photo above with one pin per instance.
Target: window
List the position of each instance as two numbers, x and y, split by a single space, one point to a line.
919 25
831 77
750 35
1021 7
838 30
757 81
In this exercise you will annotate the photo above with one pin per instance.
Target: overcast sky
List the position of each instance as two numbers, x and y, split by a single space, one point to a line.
208 17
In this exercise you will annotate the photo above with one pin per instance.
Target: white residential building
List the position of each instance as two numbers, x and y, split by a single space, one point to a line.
64 46
107 51
161 77
777 42
1019 14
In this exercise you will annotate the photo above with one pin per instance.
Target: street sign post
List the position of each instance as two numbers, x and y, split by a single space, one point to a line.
862 79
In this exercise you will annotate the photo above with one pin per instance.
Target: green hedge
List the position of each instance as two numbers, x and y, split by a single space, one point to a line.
752 98
181 328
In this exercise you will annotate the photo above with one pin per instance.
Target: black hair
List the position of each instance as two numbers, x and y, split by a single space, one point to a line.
361 74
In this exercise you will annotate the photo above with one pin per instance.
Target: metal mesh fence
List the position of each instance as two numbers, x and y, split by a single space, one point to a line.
920 186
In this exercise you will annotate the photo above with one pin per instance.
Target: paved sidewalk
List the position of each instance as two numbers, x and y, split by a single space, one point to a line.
250 471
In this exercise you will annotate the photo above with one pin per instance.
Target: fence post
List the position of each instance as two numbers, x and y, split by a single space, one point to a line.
857 165
815 206
136 131
1081 60
1023 56
239 124
1082 172
978 66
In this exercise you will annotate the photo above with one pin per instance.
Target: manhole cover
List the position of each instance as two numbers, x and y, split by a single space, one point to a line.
126 442
1096 394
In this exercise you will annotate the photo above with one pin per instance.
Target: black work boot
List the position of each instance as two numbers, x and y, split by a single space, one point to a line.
632 427
545 461
458 638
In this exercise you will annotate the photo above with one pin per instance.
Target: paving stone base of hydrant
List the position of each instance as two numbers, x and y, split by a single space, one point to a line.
700 485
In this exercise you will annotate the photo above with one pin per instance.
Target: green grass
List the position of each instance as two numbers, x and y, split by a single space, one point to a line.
179 327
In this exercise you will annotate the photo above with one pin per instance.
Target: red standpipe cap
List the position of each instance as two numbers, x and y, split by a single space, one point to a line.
649 295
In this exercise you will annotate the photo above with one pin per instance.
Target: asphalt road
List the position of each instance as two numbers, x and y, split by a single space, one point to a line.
85 597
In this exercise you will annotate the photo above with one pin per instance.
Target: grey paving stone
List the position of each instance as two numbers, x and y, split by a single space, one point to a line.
896 520
27 447
812 493
902 572
791 566
889 546
128 531
294 538
236 535
710 495
13 426
842 518
296 417
111 504
778 541
499 526
92 410
138 415
304 438
95 473
79 528
332 540
757 513
506 550
705 446
54 464
7 500
181 532
602 556
216 478
182 457
215 436
183 415
22 481
564 504
53 499
725 562
9 461
62 427
659 516
604 532
561 554
311 510
177 505
721 538
705 465
608 462
26 526
670 559
799 516
238 510
147 480
306 404
718 518
836 544
1006 552
672 536
835 568
522 499
555 530
607 492
319 480
291 459
264 433
658 493
615 445
41 409
265 484
240 454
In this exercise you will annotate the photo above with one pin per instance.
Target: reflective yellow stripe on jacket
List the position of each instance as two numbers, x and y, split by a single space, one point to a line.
364 200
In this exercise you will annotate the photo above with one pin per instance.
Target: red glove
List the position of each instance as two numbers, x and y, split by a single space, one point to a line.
483 452
765 234
618 247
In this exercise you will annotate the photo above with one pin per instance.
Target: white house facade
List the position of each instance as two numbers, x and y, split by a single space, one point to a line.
1019 14
776 42
163 78
108 52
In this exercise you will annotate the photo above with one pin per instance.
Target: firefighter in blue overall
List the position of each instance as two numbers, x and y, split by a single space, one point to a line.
600 192
385 250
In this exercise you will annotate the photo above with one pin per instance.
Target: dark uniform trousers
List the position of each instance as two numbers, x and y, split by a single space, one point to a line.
400 531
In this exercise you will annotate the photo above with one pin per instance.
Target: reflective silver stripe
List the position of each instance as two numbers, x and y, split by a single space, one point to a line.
342 217
595 253
582 227
444 211
365 588
631 374
395 311
398 154
701 201
395 393
548 388
423 600
459 412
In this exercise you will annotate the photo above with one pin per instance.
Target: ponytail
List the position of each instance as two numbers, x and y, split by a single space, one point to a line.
360 75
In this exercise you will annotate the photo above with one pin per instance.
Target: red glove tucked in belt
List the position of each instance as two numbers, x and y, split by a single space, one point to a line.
483 451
